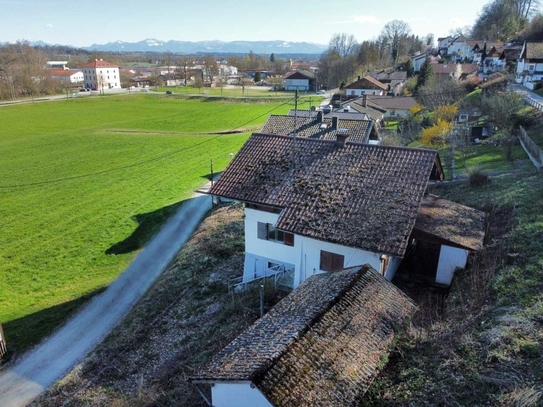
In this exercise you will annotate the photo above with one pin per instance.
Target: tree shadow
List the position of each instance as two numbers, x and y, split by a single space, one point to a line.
23 333
207 176
149 224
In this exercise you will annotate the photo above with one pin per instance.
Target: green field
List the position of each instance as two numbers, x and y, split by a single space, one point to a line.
85 182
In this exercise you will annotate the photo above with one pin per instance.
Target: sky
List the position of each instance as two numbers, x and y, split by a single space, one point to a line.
84 23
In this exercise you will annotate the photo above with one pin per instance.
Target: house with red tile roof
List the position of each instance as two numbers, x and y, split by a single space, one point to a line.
314 206
366 86
66 75
101 75
320 346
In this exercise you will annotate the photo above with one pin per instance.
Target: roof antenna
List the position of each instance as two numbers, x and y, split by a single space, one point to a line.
294 131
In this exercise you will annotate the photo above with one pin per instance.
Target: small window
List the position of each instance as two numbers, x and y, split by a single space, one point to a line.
331 261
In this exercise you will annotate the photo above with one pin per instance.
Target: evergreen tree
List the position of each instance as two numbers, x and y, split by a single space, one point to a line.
425 75
258 77
272 58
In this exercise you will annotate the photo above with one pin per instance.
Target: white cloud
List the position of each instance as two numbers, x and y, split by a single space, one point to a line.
367 19
49 26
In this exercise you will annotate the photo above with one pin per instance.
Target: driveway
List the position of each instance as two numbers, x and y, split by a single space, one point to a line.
26 379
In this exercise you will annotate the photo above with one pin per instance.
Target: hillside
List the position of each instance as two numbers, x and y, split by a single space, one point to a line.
482 345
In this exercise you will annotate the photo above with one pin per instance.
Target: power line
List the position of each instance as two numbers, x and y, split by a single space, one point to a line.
160 157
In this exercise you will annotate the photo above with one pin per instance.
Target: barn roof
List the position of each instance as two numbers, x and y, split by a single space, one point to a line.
321 344
357 195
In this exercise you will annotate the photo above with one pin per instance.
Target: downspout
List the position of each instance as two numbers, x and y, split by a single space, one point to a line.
208 402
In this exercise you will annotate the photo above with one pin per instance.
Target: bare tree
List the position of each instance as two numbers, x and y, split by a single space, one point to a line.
395 34
339 63
210 67
185 64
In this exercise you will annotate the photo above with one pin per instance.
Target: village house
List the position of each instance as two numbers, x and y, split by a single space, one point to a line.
457 72
320 346
366 86
393 80
315 206
364 105
300 80
530 63
395 106
100 74
70 76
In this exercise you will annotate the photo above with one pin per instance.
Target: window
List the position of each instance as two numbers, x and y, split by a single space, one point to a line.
531 67
331 261
266 231
393 112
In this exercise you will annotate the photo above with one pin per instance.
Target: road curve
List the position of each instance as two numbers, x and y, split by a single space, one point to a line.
31 375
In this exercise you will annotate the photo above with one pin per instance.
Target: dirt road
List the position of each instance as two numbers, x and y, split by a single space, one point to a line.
52 359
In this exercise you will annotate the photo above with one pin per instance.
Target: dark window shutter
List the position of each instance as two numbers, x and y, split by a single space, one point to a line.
337 261
262 231
326 261
289 239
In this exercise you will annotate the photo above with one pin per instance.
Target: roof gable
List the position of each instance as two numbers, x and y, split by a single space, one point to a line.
358 195
367 82
334 326
300 75
98 63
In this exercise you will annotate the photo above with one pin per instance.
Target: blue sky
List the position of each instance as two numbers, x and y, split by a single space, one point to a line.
99 21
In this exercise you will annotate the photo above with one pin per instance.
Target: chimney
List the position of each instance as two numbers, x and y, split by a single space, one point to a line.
319 116
358 77
341 138
334 122
365 100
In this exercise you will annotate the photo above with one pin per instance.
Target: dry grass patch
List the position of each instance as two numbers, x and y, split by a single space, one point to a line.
185 319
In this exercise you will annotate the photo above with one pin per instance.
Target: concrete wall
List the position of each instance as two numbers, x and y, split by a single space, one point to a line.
450 258
293 84
236 394
304 256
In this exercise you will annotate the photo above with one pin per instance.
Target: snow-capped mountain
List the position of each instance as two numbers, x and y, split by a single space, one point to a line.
154 45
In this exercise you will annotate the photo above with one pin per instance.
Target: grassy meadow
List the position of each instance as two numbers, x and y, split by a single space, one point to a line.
85 182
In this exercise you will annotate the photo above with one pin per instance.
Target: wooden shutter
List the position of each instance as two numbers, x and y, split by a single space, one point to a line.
331 261
289 239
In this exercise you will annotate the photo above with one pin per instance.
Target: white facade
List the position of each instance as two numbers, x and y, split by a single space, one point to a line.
293 84
360 92
237 394
68 76
450 258
304 256
102 77
529 70
418 61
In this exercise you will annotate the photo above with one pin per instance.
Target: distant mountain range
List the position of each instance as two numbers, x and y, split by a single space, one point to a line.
189 47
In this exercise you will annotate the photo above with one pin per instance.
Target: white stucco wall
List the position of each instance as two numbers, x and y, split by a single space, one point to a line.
106 77
304 255
360 92
236 394
293 84
449 259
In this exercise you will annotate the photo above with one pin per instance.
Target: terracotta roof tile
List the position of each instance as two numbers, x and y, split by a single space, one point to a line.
310 126
367 82
321 345
99 64
456 225
358 195
534 50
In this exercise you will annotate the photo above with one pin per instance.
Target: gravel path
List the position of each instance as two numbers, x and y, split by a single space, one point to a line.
31 375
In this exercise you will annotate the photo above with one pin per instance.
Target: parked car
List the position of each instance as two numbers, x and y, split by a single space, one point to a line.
321 92
169 92
95 88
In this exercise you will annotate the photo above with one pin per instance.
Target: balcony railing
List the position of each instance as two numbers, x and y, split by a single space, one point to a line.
278 274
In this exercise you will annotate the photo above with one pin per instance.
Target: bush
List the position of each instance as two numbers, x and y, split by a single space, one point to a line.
477 177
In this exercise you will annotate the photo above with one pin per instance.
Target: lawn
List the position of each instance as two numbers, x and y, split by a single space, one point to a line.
84 183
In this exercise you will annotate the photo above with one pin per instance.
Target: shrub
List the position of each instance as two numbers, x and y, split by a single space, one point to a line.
477 177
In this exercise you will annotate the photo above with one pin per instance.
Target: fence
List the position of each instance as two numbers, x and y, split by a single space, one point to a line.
534 151
534 103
